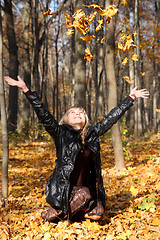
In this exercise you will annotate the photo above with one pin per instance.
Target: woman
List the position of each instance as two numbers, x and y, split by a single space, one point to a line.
76 185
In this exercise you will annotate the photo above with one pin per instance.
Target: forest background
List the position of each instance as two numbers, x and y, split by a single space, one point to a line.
36 47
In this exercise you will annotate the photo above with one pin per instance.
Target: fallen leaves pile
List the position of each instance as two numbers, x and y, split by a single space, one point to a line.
132 197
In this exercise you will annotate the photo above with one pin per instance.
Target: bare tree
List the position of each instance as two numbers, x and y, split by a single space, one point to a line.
112 93
79 66
13 64
4 121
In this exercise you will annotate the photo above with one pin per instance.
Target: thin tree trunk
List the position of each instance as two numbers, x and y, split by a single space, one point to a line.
112 95
25 106
57 73
4 122
138 124
13 65
79 66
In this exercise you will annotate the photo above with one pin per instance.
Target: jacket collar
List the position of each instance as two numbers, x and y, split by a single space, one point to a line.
70 128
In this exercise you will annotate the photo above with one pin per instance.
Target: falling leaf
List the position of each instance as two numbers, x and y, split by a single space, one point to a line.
124 2
88 38
49 12
88 56
100 25
158 110
134 57
125 61
68 20
142 74
126 78
70 32
102 40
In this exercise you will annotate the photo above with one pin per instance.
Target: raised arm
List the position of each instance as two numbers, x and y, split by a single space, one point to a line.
20 83
116 113
142 93
45 117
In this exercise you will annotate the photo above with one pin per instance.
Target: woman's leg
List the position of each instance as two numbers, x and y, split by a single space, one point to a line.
95 210
50 214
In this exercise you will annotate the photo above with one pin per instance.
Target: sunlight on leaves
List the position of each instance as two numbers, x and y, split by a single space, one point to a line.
127 79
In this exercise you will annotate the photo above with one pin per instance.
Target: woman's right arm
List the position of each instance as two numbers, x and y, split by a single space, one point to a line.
45 117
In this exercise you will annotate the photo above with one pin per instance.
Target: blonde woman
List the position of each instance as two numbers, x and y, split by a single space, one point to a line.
75 189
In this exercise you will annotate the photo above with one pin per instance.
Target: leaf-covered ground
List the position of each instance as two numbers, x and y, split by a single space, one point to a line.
132 197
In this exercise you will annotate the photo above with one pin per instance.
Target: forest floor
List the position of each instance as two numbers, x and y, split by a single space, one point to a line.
132 197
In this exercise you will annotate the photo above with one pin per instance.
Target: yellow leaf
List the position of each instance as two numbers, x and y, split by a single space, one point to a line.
124 2
68 20
87 51
158 110
88 38
100 25
156 221
133 191
70 32
125 61
125 235
142 74
49 13
47 236
134 57
126 78
102 40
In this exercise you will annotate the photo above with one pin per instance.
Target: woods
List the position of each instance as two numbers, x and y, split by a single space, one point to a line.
94 67
50 61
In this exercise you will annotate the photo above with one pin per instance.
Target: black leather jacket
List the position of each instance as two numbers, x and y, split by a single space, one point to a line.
68 144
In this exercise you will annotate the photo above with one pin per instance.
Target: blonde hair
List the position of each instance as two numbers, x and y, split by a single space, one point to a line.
64 120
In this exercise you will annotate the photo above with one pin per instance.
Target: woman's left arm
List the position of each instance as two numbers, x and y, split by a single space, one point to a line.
116 113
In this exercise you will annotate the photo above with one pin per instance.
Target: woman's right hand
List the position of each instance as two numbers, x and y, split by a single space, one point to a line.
20 83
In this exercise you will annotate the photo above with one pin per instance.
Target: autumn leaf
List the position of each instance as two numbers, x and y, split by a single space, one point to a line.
99 25
102 40
124 2
125 61
158 110
110 12
70 32
133 191
142 74
125 235
49 12
156 221
134 57
88 38
68 20
126 78
88 56
92 17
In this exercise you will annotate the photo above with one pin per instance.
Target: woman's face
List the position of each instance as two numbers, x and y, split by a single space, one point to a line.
76 118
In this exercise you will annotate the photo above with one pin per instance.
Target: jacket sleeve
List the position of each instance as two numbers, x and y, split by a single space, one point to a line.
114 115
45 117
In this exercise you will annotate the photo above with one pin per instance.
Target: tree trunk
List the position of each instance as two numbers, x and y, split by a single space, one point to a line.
79 67
112 95
23 120
4 122
36 47
13 65
138 124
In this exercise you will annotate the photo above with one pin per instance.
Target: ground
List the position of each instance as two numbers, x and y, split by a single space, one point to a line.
132 197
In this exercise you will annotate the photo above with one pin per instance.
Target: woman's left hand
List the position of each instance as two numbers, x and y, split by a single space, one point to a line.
142 93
